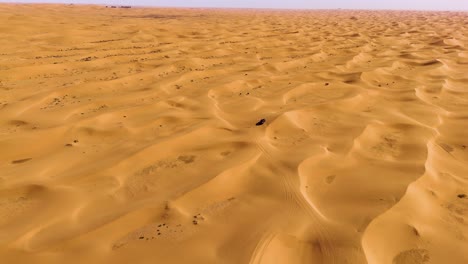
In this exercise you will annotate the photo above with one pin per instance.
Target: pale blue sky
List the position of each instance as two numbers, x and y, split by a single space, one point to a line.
308 4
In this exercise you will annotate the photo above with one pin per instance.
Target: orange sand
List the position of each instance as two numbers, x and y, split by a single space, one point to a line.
129 136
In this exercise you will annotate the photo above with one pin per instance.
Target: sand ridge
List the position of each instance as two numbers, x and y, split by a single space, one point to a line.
130 135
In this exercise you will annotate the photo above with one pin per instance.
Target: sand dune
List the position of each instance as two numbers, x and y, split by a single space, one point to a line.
130 136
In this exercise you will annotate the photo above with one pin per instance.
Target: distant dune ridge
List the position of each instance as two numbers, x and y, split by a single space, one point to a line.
139 135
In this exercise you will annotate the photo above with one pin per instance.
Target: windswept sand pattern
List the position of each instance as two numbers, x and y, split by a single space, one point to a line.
130 136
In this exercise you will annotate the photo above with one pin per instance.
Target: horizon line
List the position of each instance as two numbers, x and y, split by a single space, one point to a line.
248 8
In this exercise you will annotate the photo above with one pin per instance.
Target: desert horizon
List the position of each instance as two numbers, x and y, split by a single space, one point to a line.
227 8
215 135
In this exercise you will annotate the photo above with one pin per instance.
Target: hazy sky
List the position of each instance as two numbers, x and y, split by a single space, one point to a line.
310 4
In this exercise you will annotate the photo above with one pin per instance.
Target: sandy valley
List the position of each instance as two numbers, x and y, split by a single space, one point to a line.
131 136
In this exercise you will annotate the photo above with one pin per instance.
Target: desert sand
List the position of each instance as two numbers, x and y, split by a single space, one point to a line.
130 136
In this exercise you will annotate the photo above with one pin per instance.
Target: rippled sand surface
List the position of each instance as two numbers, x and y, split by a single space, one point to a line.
130 136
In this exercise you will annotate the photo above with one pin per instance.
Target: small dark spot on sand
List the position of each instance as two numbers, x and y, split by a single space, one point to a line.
461 196
142 237
225 153
68 145
330 179
21 160
187 158
326 84
75 141
261 122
